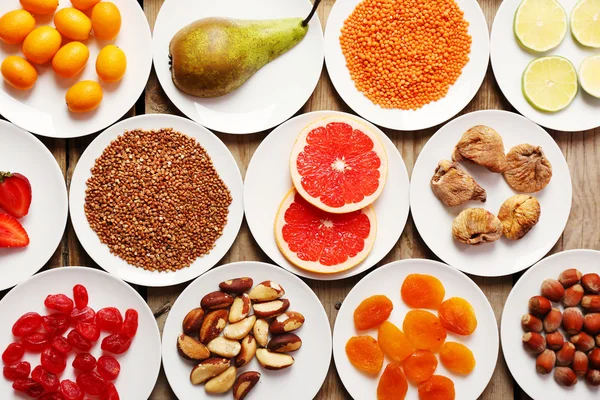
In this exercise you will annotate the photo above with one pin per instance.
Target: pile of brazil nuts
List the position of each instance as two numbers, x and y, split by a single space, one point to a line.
156 200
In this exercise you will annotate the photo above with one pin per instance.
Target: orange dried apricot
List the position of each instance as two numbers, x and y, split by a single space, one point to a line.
393 342
458 316
372 311
457 358
364 353
437 388
392 384
420 366
424 330
422 291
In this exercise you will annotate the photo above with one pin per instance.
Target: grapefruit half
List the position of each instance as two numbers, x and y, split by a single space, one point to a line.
322 242
339 164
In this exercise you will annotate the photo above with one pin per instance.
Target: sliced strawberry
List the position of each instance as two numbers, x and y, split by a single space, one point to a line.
15 194
12 233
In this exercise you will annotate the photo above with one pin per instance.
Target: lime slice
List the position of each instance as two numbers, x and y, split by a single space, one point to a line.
589 75
540 25
585 22
550 83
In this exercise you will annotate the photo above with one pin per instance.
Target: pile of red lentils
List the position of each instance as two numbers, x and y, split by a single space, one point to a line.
156 200
405 53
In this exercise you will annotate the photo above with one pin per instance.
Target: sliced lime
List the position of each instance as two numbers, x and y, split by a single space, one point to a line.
540 25
585 22
550 83
589 75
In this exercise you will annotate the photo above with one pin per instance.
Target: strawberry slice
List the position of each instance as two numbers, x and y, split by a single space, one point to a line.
15 194
12 233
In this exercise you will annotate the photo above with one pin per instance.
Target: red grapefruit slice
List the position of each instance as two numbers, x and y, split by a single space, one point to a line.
322 242
338 164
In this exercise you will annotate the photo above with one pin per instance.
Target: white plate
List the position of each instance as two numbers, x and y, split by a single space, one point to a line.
275 93
509 60
387 280
459 95
43 111
139 365
301 381
225 166
434 220
45 224
520 363
268 180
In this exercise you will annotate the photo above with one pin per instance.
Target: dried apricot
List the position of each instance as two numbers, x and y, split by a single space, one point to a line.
422 291
372 311
393 342
392 384
458 316
437 388
457 358
424 330
420 366
365 354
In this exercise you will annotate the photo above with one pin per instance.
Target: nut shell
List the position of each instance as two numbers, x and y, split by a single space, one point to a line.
528 170
565 356
572 320
565 376
545 362
553 320
569 277
474 226
454 186
591 282
591 323
580 363
531 323
519 213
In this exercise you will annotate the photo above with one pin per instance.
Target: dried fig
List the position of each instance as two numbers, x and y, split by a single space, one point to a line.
476 226
528 170
454 186
519 213
481 145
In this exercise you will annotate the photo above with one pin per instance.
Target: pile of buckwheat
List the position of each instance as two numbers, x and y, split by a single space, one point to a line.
156 200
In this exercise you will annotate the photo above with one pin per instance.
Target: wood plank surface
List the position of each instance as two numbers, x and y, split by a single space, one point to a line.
581 149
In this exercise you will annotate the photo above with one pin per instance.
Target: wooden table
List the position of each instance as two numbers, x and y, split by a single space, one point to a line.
582 150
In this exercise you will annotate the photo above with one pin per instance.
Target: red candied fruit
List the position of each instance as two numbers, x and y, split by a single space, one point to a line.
116 343
86 314
88 330
108 368
52 396
91 383
53 361
56 323
78 341
14 352
47 379
109 319
130 324
59 302
26 324
36 342
111 393
28 386
80 295
84 362
16 371
70 390
61 344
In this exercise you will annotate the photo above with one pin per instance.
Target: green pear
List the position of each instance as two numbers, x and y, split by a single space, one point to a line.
214 56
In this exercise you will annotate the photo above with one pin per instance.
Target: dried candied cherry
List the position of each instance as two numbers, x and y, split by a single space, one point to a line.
59 302
70 390
84 362
86 314
424 330
47 379
457 358
14 352
109 319
52 396
19 370
130 324
393 342
80 295
36 342
422 291
108 368
91 383
53 361
28 386
78 341
420 366
61 344
437 387
458 316
372 311
116 343
26 324
56 323
111 393
88 330
392 383
365 354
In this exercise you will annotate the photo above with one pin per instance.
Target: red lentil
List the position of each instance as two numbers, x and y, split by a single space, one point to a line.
405 53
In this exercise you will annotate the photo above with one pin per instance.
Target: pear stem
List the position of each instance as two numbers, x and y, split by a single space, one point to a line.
312 12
